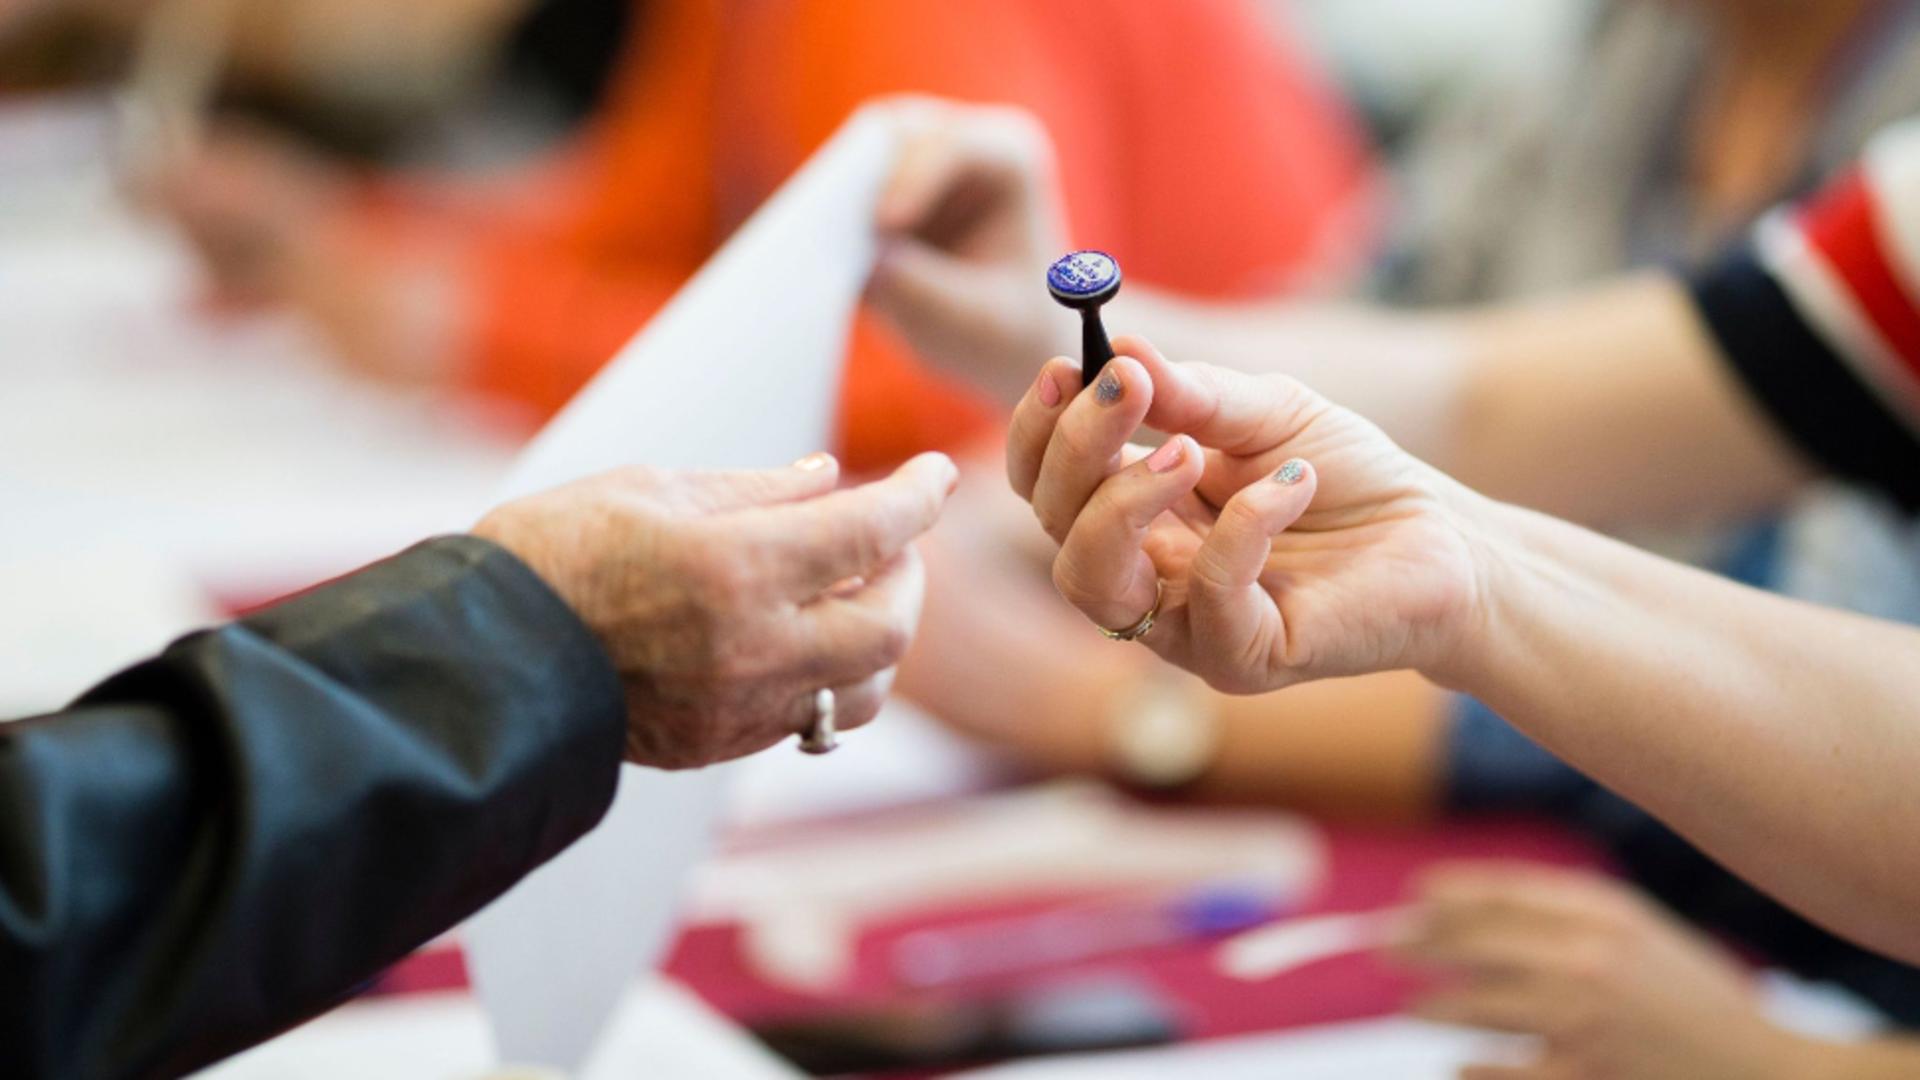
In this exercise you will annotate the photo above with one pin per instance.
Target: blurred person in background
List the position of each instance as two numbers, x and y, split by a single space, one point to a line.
1503 397
1774 733
1677 125
1227 179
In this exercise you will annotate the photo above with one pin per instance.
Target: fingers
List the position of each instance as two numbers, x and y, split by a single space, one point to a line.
1511 1006
1224 409
911 280
809 546
1103 568
847 636
1229 611
1464 896
947 147
856 705
1086 442
1034 420
725 492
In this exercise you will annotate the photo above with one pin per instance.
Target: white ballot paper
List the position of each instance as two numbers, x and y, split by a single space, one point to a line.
741 369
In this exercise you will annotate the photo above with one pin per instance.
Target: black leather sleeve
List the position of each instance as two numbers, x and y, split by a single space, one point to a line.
232 837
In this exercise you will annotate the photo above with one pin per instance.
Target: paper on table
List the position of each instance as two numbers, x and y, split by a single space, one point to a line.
1272 951
1362 1050
739 370
661 1031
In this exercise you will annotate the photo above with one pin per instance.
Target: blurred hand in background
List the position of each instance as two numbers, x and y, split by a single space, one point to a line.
973 215
1613 986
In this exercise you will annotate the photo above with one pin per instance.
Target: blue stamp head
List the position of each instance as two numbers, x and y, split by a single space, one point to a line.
1084 279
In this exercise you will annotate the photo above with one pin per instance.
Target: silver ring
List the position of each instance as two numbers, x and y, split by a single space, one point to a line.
823 735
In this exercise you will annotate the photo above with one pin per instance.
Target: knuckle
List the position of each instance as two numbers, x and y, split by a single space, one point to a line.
896 637
1056 522
1072 583
1206 572
1242 512
1073 442
865 543
1115 503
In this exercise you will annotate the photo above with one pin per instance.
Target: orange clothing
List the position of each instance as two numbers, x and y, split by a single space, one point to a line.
1192 146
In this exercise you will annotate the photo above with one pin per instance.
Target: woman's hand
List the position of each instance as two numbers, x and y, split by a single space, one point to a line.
726 600
1613 986
1287 539
972 218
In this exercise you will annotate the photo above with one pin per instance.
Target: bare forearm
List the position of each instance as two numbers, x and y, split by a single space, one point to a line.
1610 406
1782 738
1875 1059
1404 372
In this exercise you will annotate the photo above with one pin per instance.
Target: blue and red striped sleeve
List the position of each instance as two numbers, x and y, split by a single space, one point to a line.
1818 314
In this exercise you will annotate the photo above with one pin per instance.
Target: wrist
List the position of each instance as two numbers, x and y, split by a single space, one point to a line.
505 528
1507 570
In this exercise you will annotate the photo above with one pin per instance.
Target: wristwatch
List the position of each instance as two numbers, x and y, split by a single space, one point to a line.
1164 735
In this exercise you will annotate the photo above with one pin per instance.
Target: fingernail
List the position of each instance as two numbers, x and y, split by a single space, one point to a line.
1109 389
1048 389
814 462
1291 473
1170 454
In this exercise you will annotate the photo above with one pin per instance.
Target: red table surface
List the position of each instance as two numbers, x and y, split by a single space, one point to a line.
1368 868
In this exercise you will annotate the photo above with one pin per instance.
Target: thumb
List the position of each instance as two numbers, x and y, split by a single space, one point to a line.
1231 614
1227 410
924 290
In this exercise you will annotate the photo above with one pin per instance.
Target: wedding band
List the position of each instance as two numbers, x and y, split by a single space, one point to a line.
1138 630
823 736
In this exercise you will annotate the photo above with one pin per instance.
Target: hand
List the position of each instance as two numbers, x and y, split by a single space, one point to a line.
276 225
727 599
973 218
1614 987
1293 540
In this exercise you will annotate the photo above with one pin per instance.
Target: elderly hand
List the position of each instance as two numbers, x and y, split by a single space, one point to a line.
726 600
1613 986
1286 538
973 219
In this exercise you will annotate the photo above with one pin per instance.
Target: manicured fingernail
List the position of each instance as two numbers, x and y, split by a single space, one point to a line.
814 462
1048 389
1291 473
1170 454
1109 389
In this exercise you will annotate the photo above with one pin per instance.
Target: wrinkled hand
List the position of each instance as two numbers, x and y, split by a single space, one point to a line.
1293 539
1613 986
727 599
972 217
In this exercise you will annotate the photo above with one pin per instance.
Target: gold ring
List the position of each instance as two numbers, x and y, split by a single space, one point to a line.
1138 630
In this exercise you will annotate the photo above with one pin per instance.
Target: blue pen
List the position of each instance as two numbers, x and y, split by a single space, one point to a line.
1083 281
946 955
